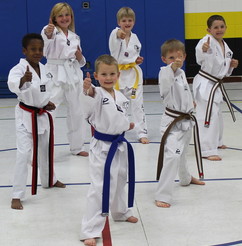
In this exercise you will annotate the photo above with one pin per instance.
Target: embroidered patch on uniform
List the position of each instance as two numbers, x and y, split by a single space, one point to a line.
49 75
105 101
137 48
125 105
178 151
42 88
229 54
119 108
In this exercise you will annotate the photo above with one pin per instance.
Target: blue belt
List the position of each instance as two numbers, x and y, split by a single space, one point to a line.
116 139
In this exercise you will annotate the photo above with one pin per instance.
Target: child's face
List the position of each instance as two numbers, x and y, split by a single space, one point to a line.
34 51
107 75
171 56
218 29
126 24
63 20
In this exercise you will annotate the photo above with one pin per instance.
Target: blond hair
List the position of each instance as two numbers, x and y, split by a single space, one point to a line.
172 45
105 59
125 12
58 9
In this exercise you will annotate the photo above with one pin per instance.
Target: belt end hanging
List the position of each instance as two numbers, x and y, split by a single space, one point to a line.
133 93
206 124
105 214
201 176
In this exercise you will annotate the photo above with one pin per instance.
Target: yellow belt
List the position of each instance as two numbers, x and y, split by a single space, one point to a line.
135 86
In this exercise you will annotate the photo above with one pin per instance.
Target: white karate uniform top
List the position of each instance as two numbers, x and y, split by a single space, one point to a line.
217 64
177 96
126 54
67 82
37 94
108 116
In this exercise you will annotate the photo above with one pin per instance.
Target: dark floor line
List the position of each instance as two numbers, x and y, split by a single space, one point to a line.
137 182
134 142
228 244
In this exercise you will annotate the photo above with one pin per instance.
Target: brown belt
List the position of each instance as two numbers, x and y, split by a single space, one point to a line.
178 116
217 83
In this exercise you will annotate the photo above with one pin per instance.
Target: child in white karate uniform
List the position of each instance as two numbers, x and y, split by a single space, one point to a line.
29 81
64 59
177 97
125 47
215 58
108 117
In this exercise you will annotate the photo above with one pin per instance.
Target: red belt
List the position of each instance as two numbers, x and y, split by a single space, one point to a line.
34 112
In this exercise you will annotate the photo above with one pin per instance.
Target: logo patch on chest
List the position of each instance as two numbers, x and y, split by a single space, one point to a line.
42 88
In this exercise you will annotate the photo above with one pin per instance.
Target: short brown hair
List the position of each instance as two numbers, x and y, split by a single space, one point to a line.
213 18
172 45
125 12
105 59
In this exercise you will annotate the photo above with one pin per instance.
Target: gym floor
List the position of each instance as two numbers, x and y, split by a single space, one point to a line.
199 215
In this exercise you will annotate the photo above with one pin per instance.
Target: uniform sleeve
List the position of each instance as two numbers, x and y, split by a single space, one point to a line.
166 80
114 43
200 55
14 77
82 62
48 41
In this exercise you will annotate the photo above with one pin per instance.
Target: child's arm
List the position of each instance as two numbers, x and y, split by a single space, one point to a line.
26 78
87 86
49 29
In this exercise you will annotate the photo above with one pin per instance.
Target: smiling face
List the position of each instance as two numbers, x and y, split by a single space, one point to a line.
34 51
217 29
126 24
107 75
63 19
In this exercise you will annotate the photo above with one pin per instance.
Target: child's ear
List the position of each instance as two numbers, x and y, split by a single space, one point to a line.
208 30
24 51
95 75
163 59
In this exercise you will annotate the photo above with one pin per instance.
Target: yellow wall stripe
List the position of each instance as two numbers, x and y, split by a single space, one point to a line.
196 24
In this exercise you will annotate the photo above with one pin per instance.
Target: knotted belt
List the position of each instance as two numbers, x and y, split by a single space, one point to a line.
68 63
178 116
116 139
127 67
217 83
34 112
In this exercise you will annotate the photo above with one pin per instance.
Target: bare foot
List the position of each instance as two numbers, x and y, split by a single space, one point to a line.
222 147
197 181
213 158
58 184
132 219
162 204
16 204
90 242
83 153
144 140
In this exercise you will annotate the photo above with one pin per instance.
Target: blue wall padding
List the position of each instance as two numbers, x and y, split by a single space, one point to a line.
156 21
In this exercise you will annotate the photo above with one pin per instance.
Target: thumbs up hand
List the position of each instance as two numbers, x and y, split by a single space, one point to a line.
206 45
49 29
121 34
78 53
26 78
87 85
178 62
